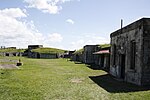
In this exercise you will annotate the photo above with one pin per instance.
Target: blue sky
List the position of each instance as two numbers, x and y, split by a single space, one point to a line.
65 24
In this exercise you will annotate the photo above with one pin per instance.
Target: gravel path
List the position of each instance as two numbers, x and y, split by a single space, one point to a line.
8 66
8 60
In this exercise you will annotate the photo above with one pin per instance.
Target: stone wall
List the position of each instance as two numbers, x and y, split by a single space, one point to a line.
77 57
2 54
88 54
146 53
30 47
42 55
121 50
102 61
48 56
11 54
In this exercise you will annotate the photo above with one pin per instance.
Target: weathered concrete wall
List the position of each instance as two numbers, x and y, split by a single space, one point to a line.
97 60
146 54
88 53
48 56
106 62
102 61
122 39
32 54
42 55
2 54
30 47
11 54
78 57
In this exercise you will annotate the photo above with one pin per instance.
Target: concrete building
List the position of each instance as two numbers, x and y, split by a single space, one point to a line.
96 55
130 52
67 54
43 55
31 54
10 51
77 56
48 56
30 47
88 56
102 58
11 54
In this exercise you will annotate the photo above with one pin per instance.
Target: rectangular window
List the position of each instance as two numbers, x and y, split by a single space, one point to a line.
133 54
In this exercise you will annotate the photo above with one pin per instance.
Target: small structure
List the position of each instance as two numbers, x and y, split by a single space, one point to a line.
11 51
38 51
11 48
31 54
19 63
30 47
11 54
68 54
78 55
88 56
44 55
130 52
102 58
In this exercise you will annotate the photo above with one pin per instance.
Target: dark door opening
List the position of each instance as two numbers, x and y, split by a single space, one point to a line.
102 60
122 64
14 54
7 54
38 55
77 57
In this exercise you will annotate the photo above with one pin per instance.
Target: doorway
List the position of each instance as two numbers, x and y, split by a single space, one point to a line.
102 60
38 55
122 65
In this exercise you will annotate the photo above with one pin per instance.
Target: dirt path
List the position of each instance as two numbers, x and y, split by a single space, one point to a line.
12 64
8 66
8 60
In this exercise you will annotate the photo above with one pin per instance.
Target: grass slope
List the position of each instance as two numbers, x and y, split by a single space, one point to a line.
58 79
48 50
80 51
12 50
104 46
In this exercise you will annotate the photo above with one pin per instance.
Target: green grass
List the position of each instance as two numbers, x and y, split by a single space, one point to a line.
104 46
48 50
12 50
59 79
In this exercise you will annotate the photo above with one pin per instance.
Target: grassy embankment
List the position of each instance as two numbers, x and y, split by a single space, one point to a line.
49 50
12 50
51 79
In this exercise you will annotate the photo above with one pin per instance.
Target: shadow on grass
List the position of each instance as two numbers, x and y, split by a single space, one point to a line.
112 85
91 66
94 67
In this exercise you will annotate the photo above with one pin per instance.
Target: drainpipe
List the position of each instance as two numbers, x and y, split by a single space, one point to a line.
121 25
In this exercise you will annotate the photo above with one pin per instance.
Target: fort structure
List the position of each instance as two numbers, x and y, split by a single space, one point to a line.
130 52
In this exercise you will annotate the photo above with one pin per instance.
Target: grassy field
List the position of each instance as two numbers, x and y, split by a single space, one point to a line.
59 79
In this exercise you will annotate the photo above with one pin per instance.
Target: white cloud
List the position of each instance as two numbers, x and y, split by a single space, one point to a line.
70 21
13 12
15 32
46 6
55 37
77 44
90 39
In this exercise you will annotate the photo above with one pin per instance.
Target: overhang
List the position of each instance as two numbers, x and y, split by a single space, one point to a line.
102 52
